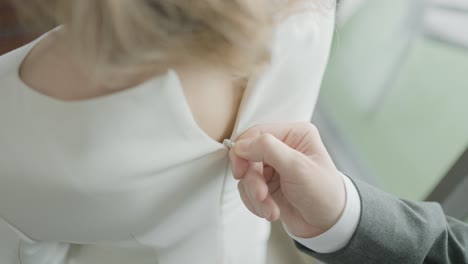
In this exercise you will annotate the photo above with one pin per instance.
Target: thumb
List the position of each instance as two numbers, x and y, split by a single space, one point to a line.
267 149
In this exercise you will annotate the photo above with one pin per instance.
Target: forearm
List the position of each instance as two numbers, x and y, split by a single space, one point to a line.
397 231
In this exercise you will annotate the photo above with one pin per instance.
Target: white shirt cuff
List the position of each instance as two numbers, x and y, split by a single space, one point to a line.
338 236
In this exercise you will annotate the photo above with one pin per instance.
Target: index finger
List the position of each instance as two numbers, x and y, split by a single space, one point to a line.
301 136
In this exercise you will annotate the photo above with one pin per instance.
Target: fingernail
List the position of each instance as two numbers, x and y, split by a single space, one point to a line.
242 146
239 167
266 213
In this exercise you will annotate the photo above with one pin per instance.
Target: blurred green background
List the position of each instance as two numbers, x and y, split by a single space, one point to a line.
398 97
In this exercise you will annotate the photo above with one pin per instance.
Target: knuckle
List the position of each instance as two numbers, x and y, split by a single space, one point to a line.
250 132
312 128
266 140
300 164
255 130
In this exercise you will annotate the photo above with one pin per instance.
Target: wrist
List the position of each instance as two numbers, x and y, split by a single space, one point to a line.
320 209
329 201
335 206
341 233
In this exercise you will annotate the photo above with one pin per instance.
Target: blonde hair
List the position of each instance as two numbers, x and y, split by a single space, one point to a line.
136 35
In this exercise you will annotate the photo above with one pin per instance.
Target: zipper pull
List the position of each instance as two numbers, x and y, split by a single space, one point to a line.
228 143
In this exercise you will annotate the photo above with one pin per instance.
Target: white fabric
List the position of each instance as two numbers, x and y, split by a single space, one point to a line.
339 235
130 177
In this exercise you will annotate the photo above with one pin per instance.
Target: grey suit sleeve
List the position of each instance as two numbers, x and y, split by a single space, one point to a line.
399 231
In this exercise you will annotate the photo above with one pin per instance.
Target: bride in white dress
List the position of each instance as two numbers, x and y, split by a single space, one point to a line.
111 125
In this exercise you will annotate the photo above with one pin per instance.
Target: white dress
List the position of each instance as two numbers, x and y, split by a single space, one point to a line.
130 177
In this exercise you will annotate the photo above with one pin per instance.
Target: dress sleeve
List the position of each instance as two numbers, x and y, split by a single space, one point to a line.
307 24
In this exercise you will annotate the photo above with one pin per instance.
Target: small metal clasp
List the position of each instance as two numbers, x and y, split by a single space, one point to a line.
228 143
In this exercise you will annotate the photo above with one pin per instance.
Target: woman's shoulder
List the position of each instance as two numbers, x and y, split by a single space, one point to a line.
308 29
308 17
